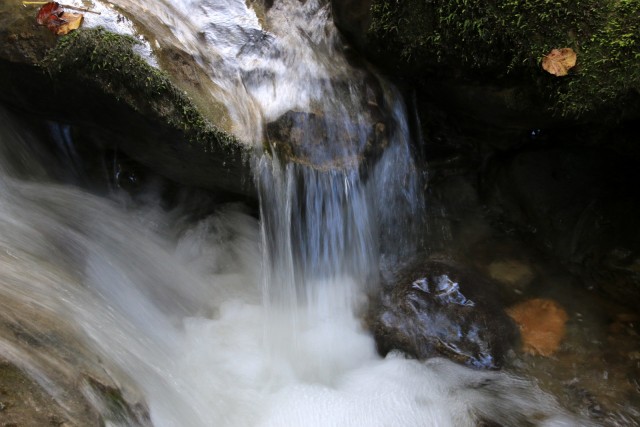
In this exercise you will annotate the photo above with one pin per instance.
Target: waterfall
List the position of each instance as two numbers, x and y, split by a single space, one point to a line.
222 319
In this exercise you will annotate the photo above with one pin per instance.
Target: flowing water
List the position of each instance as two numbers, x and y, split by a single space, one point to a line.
222 319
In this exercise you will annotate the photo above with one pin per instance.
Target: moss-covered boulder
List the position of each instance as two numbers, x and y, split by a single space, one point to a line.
95 80
506 40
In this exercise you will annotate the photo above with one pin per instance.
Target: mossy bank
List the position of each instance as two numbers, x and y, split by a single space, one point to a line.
506 39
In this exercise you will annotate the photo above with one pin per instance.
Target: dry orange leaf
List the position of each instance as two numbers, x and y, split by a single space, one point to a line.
542 325
559 61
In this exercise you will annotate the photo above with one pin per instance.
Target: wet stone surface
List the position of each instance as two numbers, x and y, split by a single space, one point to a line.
24 403
324 142
595 370
436 308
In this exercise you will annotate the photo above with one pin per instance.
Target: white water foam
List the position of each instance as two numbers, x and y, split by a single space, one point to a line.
180 320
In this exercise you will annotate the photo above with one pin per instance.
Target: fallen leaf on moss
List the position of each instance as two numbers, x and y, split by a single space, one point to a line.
559 61
57 20
542 325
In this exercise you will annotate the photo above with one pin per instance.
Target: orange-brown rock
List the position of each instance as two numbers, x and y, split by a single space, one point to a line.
542 325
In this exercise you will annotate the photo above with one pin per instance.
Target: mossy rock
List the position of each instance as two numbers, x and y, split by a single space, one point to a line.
108 60
506 39
93 79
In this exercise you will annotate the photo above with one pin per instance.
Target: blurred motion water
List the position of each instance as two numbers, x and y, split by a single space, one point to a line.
225 319
171 311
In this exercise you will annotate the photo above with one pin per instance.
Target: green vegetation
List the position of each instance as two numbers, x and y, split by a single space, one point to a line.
509 37
109 60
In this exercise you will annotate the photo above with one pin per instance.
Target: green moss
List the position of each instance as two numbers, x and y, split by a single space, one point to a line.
109 60
509 37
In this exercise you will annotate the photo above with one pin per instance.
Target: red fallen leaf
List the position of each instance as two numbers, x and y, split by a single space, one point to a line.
49 11
57 20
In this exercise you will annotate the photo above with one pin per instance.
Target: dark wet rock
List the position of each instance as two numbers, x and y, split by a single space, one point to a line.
498 112
113 405
325 142
352 17
437 308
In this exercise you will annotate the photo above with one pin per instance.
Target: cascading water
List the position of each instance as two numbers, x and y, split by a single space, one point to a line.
223 320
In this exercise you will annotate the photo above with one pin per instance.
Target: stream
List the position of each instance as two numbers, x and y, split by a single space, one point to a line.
204 312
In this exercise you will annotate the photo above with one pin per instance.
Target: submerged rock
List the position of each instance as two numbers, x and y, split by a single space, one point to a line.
512 273
436 308
541 323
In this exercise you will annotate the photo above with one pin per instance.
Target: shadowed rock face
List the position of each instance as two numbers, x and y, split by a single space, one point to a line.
435 308
144 136
353 18
578 203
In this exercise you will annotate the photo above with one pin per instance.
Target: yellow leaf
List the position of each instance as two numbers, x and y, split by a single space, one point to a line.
559 61
72 21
